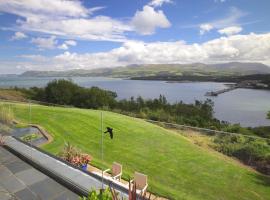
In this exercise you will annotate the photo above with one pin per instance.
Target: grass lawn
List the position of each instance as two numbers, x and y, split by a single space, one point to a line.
176 168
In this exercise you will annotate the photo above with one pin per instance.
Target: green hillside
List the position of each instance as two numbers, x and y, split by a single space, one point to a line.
144 70
176 168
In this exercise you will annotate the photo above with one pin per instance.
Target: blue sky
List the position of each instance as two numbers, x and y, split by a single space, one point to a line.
61 34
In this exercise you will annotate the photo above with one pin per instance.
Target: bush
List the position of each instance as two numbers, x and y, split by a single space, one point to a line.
236 128
251 151
262 131
98 195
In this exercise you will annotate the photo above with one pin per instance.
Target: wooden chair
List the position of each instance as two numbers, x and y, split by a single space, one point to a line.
116 171
141 182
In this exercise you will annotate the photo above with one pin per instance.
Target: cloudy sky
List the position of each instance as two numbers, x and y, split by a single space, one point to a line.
69 34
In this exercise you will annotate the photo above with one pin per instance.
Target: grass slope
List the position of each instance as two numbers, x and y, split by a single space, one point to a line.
9 94
176 168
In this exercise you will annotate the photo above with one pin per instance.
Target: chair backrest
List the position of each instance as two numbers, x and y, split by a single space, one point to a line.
116 169
140 180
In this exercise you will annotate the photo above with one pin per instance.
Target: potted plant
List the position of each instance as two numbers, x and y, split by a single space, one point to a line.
75 157
85 159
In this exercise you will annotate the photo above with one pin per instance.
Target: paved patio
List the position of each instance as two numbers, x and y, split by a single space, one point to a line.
19 180
71 177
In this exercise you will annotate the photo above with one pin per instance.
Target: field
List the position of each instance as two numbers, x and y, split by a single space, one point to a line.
176 167
10 94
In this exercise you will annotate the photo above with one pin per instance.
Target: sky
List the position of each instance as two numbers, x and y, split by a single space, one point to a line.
88 34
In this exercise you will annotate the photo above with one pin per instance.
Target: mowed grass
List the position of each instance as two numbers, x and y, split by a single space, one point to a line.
176 168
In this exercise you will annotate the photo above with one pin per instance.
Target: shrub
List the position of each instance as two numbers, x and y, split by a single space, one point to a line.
98 195
251 151
30 137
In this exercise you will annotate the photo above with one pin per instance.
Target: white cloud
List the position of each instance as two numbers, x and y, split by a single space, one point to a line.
232 30
71 42
65 18
146 21
67 44
72 20
18 36
51 43
230 20
31 8
159 3
63 46
204 28
97 28
33 57
45 43
242 48
220 1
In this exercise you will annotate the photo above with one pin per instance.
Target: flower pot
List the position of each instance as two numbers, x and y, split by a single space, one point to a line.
84 167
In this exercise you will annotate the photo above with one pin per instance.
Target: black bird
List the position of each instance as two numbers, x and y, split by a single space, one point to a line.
110 131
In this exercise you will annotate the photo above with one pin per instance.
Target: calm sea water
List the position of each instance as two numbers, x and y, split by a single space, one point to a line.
245 106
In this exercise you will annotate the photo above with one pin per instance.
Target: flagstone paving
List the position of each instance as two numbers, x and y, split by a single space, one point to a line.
19 180
35 182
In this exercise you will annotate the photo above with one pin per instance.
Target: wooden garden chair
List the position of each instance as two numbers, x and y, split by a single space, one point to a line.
116 171
141 182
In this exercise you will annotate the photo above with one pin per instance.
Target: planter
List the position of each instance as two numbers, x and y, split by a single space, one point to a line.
84 167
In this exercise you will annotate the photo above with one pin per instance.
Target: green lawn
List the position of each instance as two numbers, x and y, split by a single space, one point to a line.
176 168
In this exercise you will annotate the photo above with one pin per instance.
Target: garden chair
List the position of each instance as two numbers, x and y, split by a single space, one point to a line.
116 171
141 182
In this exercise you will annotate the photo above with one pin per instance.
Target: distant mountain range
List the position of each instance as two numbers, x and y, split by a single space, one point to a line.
195 69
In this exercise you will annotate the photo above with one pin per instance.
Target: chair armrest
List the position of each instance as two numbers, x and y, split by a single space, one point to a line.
143 190
106 170
118 175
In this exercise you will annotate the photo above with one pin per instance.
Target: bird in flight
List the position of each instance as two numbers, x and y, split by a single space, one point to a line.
110 131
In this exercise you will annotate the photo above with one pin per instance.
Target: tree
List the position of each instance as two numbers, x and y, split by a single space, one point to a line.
60 91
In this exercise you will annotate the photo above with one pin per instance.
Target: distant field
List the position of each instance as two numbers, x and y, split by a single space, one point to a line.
9 94
176 168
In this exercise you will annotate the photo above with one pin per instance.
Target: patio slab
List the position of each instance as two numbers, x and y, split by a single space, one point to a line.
30 176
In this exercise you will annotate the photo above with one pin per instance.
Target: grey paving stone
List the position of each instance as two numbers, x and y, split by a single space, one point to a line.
47 189
6 196
7 157
26 194
4 152
30 176
17 166
12 184
4 173
67 195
